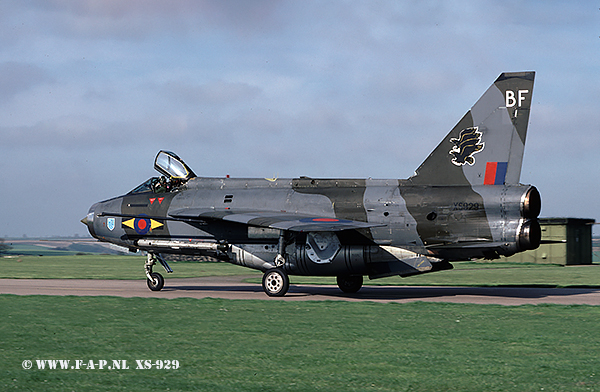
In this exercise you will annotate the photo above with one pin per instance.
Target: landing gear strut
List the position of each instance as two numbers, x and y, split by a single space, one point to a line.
155 280
275 281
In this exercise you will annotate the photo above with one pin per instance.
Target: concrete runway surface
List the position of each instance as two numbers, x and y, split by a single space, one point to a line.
233 287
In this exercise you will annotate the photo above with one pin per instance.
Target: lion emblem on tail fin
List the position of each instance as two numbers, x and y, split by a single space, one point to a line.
466 145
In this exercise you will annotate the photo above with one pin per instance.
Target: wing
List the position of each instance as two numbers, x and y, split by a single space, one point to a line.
281 220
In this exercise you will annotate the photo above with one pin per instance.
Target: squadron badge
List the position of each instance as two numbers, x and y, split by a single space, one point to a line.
466 145
110 224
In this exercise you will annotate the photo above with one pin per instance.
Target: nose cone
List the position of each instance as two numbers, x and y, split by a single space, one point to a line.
89 220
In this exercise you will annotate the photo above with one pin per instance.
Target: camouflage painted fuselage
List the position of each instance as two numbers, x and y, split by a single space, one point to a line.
463 202
434 221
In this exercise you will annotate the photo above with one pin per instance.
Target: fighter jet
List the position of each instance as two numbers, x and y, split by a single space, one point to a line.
463 202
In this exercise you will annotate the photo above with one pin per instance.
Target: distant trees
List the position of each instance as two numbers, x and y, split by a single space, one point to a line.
4 248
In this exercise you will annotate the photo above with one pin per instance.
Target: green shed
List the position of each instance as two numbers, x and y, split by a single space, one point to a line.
565 241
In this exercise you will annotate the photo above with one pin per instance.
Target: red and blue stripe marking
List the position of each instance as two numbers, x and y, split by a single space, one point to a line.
495 173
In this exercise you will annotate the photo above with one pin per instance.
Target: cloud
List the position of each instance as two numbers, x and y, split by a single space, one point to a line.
17 77
213 93
142 19
255 88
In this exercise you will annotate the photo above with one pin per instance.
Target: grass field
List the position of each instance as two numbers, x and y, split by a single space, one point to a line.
224 345
106 267
464 274
55 247
36 250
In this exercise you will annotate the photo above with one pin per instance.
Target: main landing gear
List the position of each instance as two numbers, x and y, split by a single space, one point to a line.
155 280
275 282
350 283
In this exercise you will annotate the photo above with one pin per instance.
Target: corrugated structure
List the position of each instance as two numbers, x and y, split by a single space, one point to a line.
565 241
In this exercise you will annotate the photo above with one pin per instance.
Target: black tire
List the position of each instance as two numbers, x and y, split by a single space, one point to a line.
157 282
275 282
350 283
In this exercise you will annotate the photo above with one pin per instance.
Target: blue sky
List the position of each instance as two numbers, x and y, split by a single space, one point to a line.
90 90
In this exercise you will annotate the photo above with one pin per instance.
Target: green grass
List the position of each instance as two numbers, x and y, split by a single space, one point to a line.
225 345
464 274
56 248
36 250
106 267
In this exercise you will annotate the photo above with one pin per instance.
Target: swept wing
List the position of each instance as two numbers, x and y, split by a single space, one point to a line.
281 220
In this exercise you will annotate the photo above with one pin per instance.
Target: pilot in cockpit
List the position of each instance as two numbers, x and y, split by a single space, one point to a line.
161 185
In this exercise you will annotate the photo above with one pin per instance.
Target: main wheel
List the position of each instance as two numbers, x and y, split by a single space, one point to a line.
350 283
275 282
157 282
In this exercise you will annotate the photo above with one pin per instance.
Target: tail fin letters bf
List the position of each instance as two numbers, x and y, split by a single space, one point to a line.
490 135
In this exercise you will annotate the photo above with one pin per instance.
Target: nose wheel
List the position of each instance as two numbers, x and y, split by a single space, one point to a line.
156 283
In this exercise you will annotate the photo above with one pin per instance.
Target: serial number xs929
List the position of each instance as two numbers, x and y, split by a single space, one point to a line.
158 364
465 206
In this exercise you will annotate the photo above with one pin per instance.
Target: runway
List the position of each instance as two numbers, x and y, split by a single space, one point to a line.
234 288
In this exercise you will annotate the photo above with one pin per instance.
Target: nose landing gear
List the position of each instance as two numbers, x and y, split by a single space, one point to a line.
155 280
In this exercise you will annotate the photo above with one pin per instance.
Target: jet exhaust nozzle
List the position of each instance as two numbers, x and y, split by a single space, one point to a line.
532 204
530 235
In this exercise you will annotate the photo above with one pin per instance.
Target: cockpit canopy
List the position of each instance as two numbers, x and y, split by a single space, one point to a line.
170 165
174 172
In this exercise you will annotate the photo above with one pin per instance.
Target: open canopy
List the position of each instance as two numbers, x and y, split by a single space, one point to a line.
174 174
169 164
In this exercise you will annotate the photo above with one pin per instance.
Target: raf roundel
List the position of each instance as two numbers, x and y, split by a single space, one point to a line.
142 225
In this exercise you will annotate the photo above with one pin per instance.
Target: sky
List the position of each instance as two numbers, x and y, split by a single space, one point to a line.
91 90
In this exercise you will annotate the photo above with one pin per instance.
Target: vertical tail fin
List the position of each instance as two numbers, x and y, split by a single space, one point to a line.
486 146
